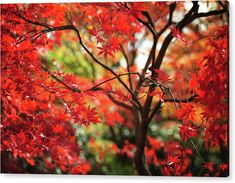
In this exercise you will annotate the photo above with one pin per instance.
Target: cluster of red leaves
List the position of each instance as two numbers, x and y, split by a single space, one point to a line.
186 114
36 121
111 114
211 169
211 86
177 160
113 24
161 76
128 149
215 135
155 145
84 115
38 113
116 23
211 82
81 168
187 131
113 117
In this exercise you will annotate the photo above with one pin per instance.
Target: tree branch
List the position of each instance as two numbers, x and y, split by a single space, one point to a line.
126 106
169 22
115 77
210 13
189 17
190 99
60 81
191 141
72 27
147 24
161 55
107 68
32 22
150 20
128 66
186 20
155 110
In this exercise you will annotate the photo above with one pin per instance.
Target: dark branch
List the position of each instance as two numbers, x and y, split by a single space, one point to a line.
107 68
126 106
169 22
155 110
72 27
186 20
147 24
161 55
211 13
150 20
128 66
31 21
115 77
60 81
190 99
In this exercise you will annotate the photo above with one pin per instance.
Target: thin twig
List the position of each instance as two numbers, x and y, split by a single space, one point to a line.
190 99
72 27
191 141
115 77
126 106
169 22
155 110
60 81
128 66
109 69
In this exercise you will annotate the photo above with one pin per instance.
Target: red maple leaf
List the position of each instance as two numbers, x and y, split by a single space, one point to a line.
161 75
93 32
177 170
172 159
186 113
155 143
186 132
223 167
57 128
137 8
81 168
209 166
166 171
105 50
177 34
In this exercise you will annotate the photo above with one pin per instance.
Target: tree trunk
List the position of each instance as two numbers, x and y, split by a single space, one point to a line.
140 135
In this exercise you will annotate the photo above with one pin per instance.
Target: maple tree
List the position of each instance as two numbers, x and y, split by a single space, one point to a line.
74 98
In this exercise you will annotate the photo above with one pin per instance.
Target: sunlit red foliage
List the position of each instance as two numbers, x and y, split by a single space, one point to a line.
183 84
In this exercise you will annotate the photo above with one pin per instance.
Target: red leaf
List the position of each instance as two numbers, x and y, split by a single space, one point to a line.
209 166
177 34
223 167
58 128
30 161
173 159
93 32
161 75
155 143
187 132
186 113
